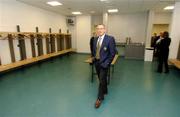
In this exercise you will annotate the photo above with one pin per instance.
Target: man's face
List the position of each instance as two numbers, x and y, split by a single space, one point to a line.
100 30
161 34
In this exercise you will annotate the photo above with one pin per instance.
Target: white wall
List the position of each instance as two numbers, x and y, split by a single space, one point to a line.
14 13
105 20
72 31
96 19
175 34
0 13
128 25
83 33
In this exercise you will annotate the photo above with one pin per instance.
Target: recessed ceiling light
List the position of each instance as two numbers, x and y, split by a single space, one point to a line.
76 13
113 10
105 1
169 8
54 3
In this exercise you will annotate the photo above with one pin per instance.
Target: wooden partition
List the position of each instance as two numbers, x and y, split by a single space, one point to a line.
21 45
55 43
47 37
58 42
33 48
178 56
0 60
52 43
11 47
39 42
62 42
68 41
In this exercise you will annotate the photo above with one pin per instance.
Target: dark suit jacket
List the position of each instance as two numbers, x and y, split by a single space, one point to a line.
91 45
107 51
163 46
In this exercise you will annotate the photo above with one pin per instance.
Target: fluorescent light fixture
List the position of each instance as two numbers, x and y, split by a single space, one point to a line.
76 13
169 8
113 10
54 3
103 0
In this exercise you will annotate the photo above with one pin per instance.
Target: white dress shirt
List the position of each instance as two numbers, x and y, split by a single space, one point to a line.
101 38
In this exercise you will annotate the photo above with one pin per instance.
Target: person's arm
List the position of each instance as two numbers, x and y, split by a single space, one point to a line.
93 54
112 52
169 42
91 45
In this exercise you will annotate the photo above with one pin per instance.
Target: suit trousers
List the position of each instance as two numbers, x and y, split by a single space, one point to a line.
102 76
163 59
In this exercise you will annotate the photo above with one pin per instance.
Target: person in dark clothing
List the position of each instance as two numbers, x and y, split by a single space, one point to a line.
154 39
156 43
91 43
163 52
104 50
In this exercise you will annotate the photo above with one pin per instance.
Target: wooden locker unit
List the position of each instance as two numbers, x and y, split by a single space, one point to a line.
52 41
62 46
68 41
58 42
21 45
32 37
11 47
47 44
39 42
59 31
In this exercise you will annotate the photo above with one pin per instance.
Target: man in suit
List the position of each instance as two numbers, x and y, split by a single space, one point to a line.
91 43
104 51
163 52
153 40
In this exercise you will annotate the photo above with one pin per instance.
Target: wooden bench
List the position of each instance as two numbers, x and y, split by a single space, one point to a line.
89 60
175 62
11 66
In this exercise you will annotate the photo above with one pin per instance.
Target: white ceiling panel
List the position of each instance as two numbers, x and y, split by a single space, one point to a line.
86 6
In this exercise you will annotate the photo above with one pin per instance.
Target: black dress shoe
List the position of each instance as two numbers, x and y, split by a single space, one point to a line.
98 103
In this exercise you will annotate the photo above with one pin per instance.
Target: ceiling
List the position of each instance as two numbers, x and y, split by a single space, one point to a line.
98 7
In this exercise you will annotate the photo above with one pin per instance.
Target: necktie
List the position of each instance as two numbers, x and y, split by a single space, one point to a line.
98 48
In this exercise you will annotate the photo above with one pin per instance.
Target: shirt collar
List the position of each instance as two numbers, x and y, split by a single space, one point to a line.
102 37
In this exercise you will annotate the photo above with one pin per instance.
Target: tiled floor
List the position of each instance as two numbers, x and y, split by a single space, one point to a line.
61 88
